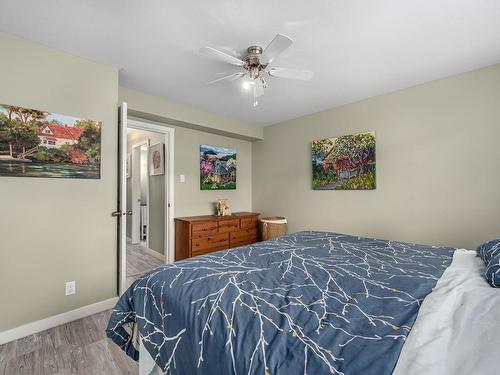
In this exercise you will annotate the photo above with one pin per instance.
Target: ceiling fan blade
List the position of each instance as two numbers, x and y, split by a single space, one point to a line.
279 44
222 56
231 77
303 75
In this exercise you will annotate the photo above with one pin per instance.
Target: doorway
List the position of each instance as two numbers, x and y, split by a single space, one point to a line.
146 198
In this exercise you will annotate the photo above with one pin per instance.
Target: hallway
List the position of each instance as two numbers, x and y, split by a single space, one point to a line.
139 261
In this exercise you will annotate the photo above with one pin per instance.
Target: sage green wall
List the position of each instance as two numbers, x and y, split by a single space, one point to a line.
57 230
438 149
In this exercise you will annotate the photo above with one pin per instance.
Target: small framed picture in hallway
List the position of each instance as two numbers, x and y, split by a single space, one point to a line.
157 159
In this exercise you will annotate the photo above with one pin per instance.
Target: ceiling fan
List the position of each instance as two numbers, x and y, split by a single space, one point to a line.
256 66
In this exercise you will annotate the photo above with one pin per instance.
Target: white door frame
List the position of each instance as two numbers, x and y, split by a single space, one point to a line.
168 133
136 187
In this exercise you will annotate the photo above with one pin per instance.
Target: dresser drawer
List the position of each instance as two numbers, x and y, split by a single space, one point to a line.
248 222
242 242
243 237
203 229
228 225
210 243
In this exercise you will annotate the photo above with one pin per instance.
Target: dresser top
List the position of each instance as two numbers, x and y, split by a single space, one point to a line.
235 215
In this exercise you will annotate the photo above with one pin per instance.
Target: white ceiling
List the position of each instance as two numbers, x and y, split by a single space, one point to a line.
357 48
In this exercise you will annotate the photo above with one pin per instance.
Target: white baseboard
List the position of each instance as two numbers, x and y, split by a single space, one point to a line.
56 320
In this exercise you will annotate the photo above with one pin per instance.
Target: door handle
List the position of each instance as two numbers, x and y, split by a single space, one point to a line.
119 213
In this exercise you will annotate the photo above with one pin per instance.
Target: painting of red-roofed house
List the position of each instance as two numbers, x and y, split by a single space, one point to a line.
344 163
35 143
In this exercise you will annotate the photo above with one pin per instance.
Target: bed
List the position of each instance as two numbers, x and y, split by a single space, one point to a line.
310 303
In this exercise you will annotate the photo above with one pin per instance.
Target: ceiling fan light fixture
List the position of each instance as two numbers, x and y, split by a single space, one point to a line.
246 85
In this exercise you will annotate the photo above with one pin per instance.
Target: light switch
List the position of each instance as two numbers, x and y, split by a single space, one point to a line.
70 287
182 178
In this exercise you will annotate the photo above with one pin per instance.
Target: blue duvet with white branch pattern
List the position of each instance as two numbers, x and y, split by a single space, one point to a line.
307 303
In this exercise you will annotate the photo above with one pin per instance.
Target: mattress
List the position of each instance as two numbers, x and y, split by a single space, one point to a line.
311 302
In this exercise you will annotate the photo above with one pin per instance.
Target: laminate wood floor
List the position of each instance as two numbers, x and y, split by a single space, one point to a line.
80 347
139 262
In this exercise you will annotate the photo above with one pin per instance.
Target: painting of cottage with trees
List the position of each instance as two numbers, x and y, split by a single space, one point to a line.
344 163
36 143
217 168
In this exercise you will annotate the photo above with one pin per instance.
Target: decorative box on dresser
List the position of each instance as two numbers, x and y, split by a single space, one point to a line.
198 235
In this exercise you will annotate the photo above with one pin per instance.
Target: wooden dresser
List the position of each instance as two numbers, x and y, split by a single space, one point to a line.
197 235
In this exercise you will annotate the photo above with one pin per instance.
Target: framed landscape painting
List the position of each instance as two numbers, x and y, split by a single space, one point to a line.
36 143
217 168
344 163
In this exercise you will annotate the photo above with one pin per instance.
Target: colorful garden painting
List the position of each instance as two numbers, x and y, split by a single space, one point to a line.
36 143
344 163
217 168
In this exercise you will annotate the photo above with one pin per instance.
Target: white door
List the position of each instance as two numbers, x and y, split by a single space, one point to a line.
121 212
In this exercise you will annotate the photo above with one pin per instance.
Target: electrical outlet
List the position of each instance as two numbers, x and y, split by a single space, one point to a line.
70 287
182 178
